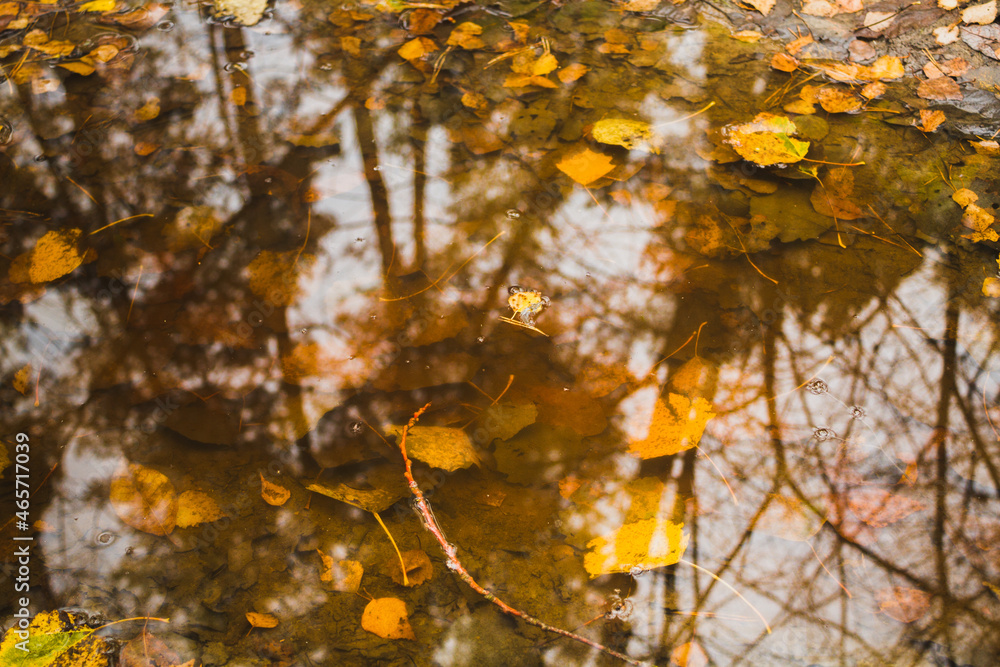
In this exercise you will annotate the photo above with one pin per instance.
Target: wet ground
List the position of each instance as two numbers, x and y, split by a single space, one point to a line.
701 382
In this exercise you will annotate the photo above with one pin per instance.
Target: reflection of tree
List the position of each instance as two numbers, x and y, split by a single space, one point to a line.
185 329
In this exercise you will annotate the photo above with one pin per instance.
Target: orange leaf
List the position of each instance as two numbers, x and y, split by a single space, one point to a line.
344 576
272 493
416 48
643 544
258 620
690 654
144 499
417 564
387 618
586 166
54 255
195 507
930 120
675 427
572 72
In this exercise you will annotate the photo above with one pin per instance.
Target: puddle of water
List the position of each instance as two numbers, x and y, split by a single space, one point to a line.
233 258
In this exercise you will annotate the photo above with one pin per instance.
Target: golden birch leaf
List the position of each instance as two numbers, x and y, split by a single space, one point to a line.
675 427
21 379
272 493
54 255
762 6
690 654
387 618
195 507
586 166
766 140
438 446
144 499
639 545
259 620
343 576
964 196
625 132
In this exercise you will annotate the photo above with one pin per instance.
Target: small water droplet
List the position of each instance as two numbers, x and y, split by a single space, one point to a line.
39 158
857 412
817 387
636 571
480 339
372 317
565 388
377 168
235 67
356 428
165 26
513 214
326 67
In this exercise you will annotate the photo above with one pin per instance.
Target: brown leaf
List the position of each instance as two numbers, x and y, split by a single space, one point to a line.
144 499
479 139
417 564
344 576
143 18
941 88
275 275
930 120
831 196
783 62
762 6
272 493
146 650
466 35
195 507
416 48
983 14
421 20
572 72
838 101
387 618
903 604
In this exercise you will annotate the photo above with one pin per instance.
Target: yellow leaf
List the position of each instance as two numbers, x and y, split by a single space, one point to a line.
21 378
838 101
642 545
991 287
766 140
438 446
544 65
238 96
762 6
272 493
149 110
78 67
674 428
195 507
387 618
259 620
586 166
572 72
54 255
625 132
416 48
97 6
103 53
144 499
344 576
465 35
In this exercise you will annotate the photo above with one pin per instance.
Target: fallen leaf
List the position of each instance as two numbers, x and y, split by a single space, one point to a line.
941 88
387 618
195 507
983 14
987 147
238 96
930 120
838 101
272 493
416 48
438 446
343 576
141 18
21 379
945 35
585 166
636 546
624 132
963 197
903 604
762 6
879 21
572 72
503 421
244 12
991 287
784 62
422 20
766 140
831 197
258 620
54 255
417 564
144 499
466 36
979 220
674 428
97 6
479 139
947 5
748 36
873 90
640 5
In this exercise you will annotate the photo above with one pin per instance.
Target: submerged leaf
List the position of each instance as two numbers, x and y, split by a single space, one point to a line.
766 140
387 618
144 499
625 132
54 255
675 427
586 166
438 446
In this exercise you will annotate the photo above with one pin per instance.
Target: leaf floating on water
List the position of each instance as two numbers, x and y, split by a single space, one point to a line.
370 500
644 544
245 12
675 428
54 255
438 446
625 132
51 639
272 493
144 499
466 35
586 166
387 618
766 140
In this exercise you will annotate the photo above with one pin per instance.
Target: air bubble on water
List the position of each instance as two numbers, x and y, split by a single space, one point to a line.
824 433
857 412
817 387
165 26
636 571
480 339
105 538
377 167
303 331
513 214
326 66
235 67
565 388
40 158
356 428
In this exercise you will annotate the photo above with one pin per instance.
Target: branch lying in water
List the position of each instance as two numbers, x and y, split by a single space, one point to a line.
456 566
